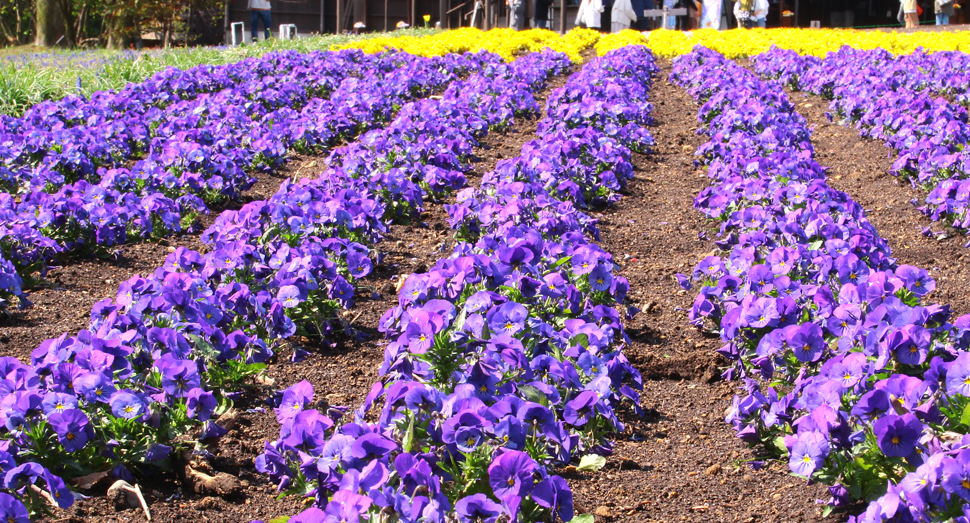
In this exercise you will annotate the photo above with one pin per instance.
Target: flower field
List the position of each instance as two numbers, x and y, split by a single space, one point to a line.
490 277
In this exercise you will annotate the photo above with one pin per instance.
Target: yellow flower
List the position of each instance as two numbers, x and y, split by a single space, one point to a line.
507 43
739 43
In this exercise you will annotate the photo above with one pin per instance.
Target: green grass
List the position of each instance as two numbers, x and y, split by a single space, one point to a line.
28 77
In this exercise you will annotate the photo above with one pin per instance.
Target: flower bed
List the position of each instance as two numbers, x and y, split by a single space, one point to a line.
196 149
892 99
160 362
848 372
505 359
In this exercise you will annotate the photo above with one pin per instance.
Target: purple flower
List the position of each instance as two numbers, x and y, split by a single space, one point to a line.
178 376
683 281
917 280
157 452
477 508
201 404
420 336
578 411
359 264
600 278
126 405
345 506
761 313
23 475
370 447
806 342
508 318
295 398
310 515
58 490
94 386
72 428
12 510
511 474
290 296
808 453
58 402
554 494
897 435
956 478
958 375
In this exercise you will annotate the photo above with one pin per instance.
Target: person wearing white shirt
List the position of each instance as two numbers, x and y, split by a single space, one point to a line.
622 16
259 10
760 12
589 13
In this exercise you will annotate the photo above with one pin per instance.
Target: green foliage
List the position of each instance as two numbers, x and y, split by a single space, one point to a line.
27 79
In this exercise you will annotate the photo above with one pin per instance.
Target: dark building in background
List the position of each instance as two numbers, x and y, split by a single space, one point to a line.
320 16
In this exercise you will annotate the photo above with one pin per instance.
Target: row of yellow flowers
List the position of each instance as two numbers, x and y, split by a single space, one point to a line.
747 42
504 42
733 44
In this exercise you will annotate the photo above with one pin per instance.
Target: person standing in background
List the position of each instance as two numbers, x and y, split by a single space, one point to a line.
744 13
541 16
910 14
640 24
761 12
643 23
622 16
693 14
944 10
259 10
589 13
516 14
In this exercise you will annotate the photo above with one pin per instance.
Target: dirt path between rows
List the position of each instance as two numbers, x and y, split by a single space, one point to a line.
860 167
341 374
681 462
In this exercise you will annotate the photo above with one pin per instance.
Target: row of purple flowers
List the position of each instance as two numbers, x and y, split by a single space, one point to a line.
86 175
894 99
167 355
848 373
504 359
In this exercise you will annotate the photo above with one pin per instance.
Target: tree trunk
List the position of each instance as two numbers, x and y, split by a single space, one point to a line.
67 9
120 26
50 24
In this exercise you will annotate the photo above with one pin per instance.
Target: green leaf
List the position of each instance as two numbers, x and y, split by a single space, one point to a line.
560 262
460 321
281 519
591 462
582 518
780 444
965 418
581 339
408 436
534 395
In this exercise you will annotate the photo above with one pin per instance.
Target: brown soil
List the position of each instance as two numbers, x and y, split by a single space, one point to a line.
341 374
63 303
860 167
681 462
508 144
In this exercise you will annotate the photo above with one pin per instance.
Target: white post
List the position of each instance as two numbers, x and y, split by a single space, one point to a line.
288 31
242 33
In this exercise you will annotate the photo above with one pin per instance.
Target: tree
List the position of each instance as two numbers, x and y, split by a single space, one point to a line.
50 22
